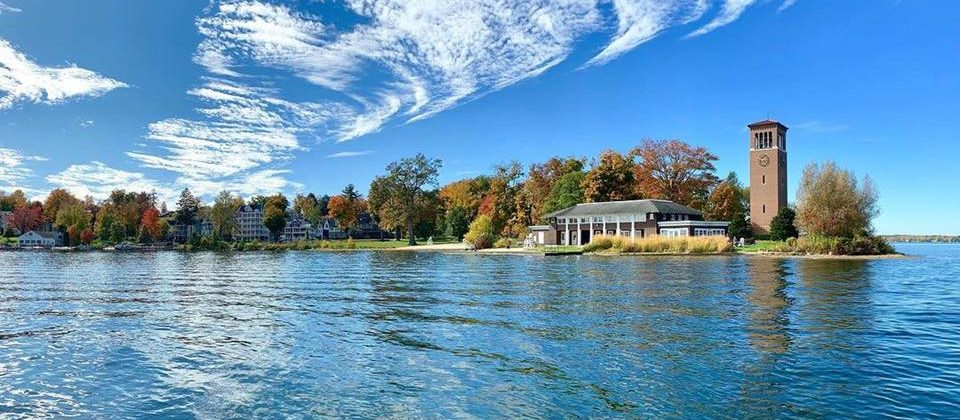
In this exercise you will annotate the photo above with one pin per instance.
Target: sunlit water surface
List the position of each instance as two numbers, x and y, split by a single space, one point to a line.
305 334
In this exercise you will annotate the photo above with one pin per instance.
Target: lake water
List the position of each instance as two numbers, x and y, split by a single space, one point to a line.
305 334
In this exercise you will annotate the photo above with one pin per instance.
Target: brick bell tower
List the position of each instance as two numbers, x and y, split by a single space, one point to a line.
768 173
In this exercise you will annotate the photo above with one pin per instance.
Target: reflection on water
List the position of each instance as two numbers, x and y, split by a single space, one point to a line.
435 335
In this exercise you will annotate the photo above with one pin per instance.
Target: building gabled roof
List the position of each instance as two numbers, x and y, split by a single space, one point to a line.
45 234
625 207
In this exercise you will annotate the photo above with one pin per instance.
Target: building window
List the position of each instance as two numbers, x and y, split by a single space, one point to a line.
763 179
764 209
675 232
708 232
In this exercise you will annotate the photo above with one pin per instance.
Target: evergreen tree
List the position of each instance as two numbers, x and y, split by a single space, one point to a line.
187 207
740 227
782 225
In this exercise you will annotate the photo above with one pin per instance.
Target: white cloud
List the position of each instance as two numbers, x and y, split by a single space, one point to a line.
244 128
14 170
8 9
22 80
347 154
732 9
268 181
786 5
87 123
403 60
99 180
639 21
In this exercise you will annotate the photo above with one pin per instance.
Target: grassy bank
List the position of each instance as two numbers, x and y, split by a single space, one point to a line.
659 245
821 245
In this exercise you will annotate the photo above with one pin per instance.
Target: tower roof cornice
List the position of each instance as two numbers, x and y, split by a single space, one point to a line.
765 123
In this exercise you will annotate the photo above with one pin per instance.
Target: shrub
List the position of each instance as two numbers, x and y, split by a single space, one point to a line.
831 245
481 234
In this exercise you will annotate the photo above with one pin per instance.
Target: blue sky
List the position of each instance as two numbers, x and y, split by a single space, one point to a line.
259 96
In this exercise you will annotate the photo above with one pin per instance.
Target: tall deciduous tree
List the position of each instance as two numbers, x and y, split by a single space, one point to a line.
831 202
346 212
223 214
384 205
275 214
13 201
26 218
541 179
72 214
610 179
726 200
566 192
674 170
308 207
150 224
57 199
404 186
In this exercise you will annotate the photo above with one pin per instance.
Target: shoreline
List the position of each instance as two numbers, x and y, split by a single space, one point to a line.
459 248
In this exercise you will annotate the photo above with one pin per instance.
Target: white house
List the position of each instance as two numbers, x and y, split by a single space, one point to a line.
38 239
250 225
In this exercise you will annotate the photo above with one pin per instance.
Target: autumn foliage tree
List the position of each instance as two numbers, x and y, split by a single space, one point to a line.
26 218
346 208
57 199
726 201
541 179
403 189
612 178
832 202
150 223
674 170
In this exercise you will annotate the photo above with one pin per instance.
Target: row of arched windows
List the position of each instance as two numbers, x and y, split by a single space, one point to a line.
764 140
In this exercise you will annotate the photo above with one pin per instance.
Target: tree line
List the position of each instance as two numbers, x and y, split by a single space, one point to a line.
408 201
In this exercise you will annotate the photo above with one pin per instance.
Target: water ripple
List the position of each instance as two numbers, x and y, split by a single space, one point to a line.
366 334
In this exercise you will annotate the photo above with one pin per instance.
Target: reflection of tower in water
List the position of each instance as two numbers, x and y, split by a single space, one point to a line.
768 320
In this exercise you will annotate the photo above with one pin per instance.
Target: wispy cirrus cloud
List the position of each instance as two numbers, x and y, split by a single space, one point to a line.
786 5
22 80
8 9
730 11
348 154
395 61
14 169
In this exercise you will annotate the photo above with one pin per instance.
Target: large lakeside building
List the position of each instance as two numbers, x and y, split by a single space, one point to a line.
577 225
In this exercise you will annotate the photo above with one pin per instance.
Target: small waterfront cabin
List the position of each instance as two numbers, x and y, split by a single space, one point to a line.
577 225
38 239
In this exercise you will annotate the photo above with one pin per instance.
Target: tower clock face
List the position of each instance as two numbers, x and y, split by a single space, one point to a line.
763 160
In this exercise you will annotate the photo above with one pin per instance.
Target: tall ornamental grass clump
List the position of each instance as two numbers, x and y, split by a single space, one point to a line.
660 245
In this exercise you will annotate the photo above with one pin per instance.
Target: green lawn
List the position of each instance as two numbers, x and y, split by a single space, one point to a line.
760 246
562 249
376 243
